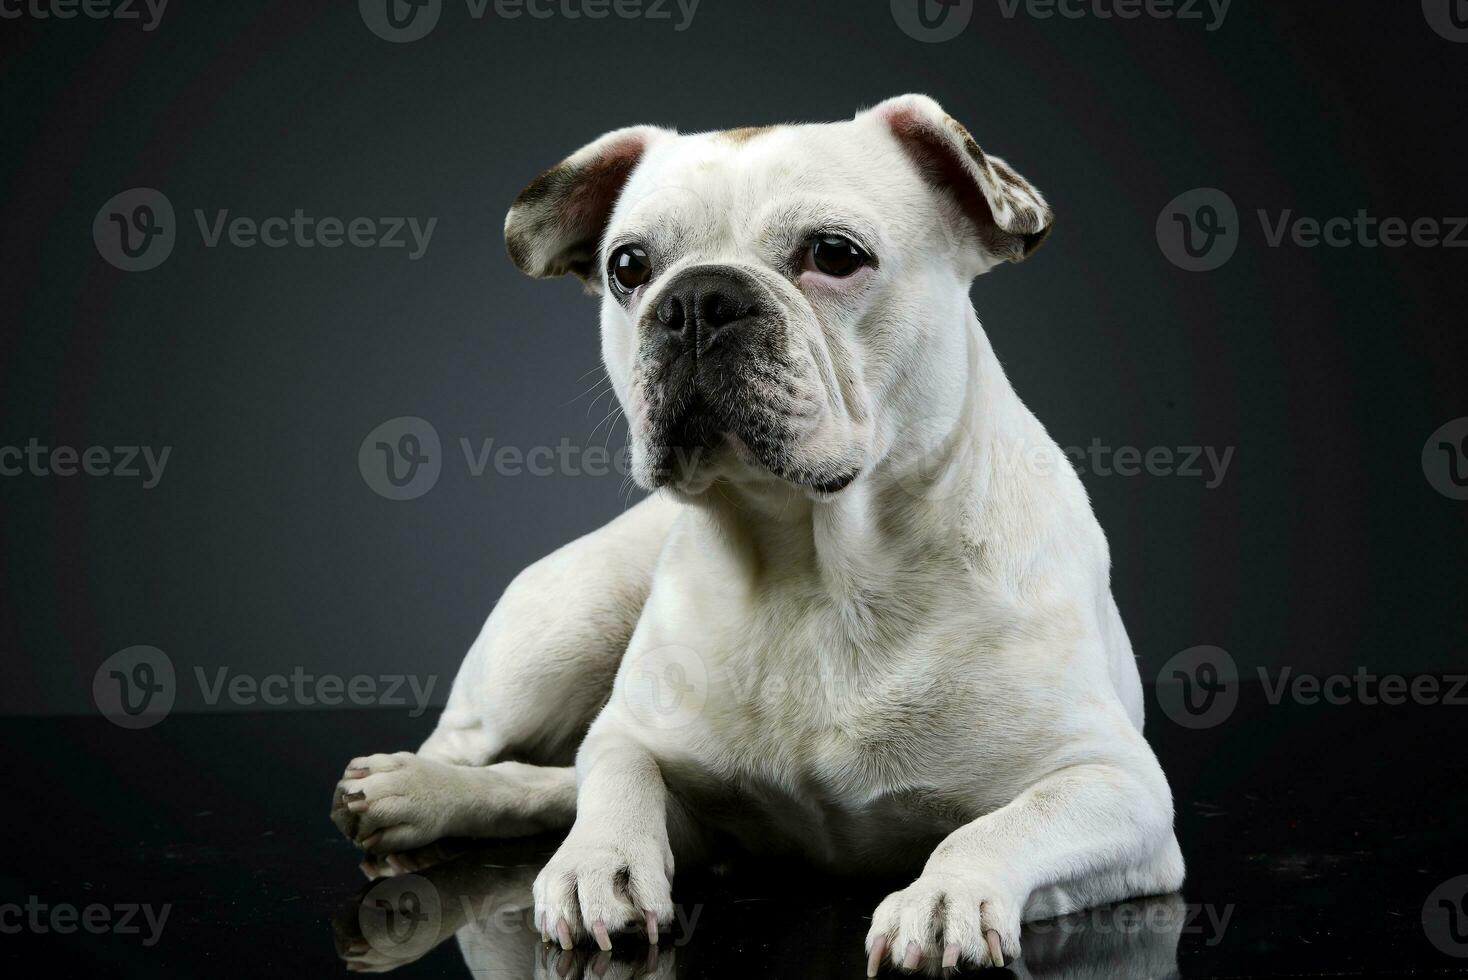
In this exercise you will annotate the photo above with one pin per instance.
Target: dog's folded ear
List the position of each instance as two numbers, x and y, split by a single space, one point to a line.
1010 216
555 226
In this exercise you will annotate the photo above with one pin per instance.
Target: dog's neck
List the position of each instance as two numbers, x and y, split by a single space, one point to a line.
912 507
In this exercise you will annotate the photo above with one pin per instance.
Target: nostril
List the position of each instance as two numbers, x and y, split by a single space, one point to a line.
718 309
699 305
670 313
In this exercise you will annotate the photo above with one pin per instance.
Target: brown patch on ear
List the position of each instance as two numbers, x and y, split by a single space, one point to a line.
556 223
1010 216
582 198
1029 216
745 133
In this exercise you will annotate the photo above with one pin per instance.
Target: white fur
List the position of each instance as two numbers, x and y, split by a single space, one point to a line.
923 671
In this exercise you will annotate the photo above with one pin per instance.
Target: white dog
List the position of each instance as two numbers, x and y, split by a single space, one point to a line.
866 618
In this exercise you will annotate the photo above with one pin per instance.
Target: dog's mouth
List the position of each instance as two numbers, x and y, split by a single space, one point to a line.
691 439
712 432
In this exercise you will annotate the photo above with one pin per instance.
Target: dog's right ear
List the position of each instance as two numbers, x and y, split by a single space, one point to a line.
555 226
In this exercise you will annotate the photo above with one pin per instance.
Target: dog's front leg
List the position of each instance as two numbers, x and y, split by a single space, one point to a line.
1083 835
614 870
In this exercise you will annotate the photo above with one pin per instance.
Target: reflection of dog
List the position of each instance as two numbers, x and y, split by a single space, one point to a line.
864 621
483 898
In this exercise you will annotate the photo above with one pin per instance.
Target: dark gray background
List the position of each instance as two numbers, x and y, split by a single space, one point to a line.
263 549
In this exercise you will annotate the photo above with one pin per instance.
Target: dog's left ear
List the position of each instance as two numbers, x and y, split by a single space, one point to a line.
1011 217
555 226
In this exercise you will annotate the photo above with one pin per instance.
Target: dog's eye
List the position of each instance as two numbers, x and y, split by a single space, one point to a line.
629 268
835 255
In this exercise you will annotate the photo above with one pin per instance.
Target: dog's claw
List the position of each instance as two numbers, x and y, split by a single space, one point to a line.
912 957
564 932
652 927
995 953
599 933
950 956
874 961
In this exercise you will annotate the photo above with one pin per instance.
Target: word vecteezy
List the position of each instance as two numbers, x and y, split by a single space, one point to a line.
35 459
304 231
63 918
309 690
148 12
1213 12
1363 230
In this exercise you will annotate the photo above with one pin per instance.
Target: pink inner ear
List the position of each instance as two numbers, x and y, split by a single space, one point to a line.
600 182
897 114
940 160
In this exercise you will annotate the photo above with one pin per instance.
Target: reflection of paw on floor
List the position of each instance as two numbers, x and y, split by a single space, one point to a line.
1137 938
554 963
482 895
417 899
417 859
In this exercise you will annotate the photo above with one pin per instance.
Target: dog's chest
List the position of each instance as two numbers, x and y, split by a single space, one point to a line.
810 696
827 726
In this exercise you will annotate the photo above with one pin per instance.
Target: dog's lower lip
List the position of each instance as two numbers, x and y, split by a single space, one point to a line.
837 484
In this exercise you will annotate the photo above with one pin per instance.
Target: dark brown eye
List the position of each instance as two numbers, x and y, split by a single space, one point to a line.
630 267
836 255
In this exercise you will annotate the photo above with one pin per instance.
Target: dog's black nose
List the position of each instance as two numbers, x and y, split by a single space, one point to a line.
702 303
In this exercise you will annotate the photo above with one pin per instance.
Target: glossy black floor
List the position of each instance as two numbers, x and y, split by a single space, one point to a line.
1316 837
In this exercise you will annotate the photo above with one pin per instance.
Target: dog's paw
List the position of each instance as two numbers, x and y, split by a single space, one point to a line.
390 803
418 859
593 887
942 920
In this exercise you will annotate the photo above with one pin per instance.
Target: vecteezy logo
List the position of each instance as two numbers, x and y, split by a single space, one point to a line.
400 21
401 916
1198 231
401 458
1445 459
1448 17
135 688
665 687
932 21
1445 917
135 230
1199 687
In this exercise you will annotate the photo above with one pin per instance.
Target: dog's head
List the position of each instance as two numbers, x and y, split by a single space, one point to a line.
779 303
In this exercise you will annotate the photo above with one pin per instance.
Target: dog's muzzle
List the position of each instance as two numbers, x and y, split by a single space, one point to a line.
718 377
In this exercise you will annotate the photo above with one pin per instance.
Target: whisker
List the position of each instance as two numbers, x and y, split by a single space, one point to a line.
592 434
588 391
607 442
609 389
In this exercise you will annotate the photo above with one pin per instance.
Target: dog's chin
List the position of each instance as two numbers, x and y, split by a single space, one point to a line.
688 470
691 466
